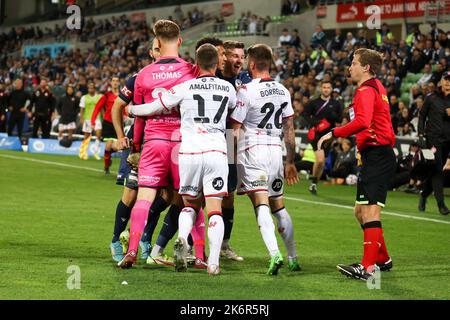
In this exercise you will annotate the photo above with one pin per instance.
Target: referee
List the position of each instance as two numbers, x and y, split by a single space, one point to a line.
434 124
371 123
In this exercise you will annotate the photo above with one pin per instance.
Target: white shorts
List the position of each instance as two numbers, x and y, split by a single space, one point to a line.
87 128
203 173
67 126
261 169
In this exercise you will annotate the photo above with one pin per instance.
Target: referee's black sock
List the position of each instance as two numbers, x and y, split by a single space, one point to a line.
158 206
122 216
228 215
170 226
314 180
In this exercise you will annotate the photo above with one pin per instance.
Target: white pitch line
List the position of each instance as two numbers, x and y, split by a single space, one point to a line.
351 208
50 162
288 198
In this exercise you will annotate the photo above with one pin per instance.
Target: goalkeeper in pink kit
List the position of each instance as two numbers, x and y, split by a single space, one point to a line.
158 164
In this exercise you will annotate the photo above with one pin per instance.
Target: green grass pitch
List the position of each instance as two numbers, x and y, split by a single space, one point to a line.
53 216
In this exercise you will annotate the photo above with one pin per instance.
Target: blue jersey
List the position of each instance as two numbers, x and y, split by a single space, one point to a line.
242 78
127 94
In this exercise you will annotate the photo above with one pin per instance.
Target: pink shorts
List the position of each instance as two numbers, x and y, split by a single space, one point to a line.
158 165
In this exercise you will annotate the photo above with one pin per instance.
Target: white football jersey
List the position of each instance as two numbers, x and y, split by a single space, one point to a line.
204 105
261 107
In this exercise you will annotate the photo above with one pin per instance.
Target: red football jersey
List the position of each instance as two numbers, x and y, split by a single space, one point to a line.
370 117
106 102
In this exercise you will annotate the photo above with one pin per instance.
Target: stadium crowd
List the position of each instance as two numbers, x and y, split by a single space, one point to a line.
411 71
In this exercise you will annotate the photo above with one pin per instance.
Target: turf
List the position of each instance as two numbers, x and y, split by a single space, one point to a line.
53 217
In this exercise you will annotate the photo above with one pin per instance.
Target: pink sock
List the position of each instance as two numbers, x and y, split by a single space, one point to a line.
198 235
139 216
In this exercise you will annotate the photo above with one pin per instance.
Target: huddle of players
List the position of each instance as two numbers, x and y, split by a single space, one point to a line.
194 172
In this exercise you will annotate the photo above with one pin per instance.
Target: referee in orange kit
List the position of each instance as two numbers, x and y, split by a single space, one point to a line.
375 138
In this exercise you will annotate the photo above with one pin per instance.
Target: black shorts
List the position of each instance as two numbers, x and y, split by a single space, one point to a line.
377 170
326 146
108 131
232 178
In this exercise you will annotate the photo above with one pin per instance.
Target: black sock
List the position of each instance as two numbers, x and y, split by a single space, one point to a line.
314 180
170 226
189 240
228 215
122 216
158 206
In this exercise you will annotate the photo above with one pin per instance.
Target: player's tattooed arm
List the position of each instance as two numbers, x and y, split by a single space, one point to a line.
290 171
289 139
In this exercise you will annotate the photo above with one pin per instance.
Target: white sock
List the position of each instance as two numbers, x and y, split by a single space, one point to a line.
186 222
286 230
216 229
97 146
157 251
267 228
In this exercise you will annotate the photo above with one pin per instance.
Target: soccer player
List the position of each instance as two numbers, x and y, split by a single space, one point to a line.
263 110
204 104
108 133
231 72
157 164
87 106
322 114
127 177
371 123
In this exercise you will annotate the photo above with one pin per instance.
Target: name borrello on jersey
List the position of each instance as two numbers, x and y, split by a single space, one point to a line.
261 107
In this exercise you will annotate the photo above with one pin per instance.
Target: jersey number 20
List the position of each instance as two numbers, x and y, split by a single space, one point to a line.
269 109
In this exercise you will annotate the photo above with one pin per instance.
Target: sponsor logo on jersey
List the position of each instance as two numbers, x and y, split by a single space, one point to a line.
149 179
126 92
185 189
277 185
258 183
218 183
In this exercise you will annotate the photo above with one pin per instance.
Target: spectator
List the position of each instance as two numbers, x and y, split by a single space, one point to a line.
253 24
338 41
318 37
427 74
285 38
295 40
43 106
17 104
438 53
417 61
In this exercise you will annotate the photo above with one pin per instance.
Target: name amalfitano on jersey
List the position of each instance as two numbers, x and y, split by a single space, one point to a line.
209 86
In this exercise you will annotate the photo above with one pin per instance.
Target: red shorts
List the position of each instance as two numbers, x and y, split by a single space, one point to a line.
158 165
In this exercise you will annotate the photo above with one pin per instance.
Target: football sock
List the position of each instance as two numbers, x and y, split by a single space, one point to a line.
107 159
97 146
186 222
84 146
215 236
153 216
227 214
139 216
157 251
286 231
372 235
267 228
198 235
314 180
383 254
122 216
170 226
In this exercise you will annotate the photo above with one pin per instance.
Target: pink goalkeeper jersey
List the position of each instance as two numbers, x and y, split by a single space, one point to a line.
151 81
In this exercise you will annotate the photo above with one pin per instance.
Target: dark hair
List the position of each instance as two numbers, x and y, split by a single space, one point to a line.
211 40
166 30
326 81
230 45
370 57
261 54
207 56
